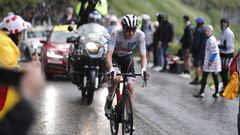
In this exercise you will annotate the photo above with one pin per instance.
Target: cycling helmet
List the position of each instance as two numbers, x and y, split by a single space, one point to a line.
94 17
14 24
130 21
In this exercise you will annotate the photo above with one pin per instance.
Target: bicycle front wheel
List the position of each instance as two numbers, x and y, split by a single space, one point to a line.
114 123
127 116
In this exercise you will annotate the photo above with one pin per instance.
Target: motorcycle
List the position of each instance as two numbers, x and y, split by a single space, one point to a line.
86 61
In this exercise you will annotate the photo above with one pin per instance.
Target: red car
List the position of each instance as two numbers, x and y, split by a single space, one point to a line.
55 51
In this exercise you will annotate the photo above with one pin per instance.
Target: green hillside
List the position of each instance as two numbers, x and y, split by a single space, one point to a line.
175 9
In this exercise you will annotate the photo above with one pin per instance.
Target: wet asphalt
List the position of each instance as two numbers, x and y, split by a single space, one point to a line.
165 107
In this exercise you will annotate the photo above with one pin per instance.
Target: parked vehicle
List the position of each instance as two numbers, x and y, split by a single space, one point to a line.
31 41
55 51
87 58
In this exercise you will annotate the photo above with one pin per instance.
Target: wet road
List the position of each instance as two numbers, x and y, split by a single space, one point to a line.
61 111
166 106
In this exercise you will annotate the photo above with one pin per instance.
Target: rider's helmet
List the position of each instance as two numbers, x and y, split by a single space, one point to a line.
94 17
129 21
14 24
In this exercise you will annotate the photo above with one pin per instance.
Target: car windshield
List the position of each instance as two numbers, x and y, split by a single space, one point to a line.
36 34
60 36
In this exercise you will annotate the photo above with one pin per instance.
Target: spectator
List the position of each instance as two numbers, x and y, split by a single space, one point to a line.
17 87
148 29
41 15
212 62
226 50
113 23
165 39
198 49
157 60
68 18
186 42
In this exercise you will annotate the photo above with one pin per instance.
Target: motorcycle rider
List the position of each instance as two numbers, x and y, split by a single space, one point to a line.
94 21
121 44
85 7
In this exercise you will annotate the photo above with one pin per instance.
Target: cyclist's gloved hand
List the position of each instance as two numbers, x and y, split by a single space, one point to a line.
145 75
112 72
142 72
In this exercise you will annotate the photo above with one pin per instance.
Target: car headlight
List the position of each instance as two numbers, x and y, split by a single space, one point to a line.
92 47
54 54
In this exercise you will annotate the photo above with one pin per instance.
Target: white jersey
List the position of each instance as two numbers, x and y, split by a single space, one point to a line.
121 46
227 37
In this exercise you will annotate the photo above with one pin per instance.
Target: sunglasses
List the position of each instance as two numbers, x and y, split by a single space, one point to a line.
130 29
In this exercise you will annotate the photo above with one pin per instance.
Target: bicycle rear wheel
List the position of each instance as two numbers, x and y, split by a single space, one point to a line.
127 115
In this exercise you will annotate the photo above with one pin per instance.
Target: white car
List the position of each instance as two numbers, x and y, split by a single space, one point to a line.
31 41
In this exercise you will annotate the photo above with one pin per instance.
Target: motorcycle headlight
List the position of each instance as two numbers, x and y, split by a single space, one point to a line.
54 54
92 47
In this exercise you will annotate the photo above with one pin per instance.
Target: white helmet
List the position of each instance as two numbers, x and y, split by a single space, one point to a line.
130 21
94 17
14 24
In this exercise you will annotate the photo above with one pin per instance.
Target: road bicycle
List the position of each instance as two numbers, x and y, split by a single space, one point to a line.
122 111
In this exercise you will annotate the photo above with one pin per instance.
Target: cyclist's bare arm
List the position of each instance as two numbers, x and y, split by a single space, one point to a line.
142 50
143 61
109 59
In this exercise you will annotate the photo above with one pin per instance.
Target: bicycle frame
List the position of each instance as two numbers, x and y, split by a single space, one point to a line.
118 112
125 90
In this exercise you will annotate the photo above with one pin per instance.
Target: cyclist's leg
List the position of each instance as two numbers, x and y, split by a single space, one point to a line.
131 85
116 61
114 84
111 88
128 67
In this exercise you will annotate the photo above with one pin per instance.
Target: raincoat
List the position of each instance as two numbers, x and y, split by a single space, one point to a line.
8 59
210 50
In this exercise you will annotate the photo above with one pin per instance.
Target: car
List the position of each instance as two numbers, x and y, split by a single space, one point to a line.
55 51
31 41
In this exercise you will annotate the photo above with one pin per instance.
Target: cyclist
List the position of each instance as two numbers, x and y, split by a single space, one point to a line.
121 44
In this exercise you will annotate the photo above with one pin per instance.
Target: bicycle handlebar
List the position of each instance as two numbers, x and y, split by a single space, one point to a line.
145 78
128 74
